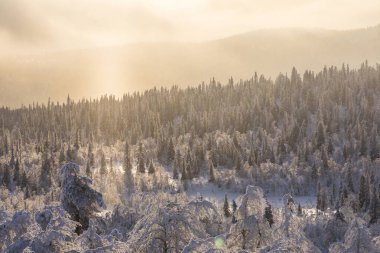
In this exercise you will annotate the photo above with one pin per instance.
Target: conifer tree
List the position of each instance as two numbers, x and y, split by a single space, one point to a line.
374 145
320 135
171 152
350 184
238 165
299 210
88 169
141 164
16 175
268 215
211 175
45 175
151 169
363 193
226 207
234 206
374 206
103 165
6 177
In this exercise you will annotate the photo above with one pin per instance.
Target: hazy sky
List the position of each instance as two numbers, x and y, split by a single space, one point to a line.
43 24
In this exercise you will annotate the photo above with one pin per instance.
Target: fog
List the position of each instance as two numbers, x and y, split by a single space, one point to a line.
90 48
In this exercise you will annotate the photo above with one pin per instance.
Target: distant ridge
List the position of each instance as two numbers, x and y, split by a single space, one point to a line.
91 72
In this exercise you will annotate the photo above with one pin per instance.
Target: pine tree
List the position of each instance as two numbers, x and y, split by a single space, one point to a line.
374 206
103 165
175 173
90 156
211 176
184 174
151 169
234 206
363 143
321 198
226 207
76 144
238 165
45 175
320 135
141 164
299 210
62 157
268 215
363 192
350 183
6 177
171 152
23 180
88 169
374 145
16 175
127 166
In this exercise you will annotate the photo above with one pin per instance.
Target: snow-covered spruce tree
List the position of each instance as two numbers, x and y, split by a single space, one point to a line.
299 210
151 168
269 215
226 207
45 179
129 183
175 172
171 152
140 159
103 165
211 174
234 206
78 198
363 193
375 153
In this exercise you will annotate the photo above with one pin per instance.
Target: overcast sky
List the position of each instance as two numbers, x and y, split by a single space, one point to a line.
42 24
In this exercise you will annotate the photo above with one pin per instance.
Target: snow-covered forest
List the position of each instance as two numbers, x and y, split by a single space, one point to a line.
258 165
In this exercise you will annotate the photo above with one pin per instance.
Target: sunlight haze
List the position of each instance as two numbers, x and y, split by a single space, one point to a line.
113 47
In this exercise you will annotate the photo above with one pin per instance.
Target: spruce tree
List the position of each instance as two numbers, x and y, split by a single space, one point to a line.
151 169
234 206
23 180
141 164
88 169
16 175
350 183
268 215
184 174
299 210
103 165
171 152
45 175
175 173
238 165
374 206
127 166
319 197
320 135
226 207
6 177
374 145
211 176
363 192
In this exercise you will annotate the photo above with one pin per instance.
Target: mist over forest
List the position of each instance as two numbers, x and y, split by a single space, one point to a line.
116 70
